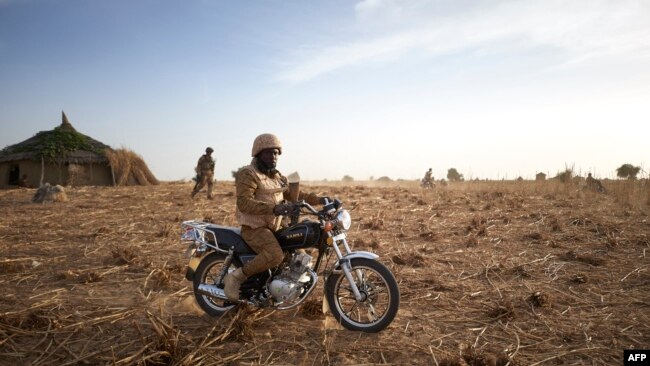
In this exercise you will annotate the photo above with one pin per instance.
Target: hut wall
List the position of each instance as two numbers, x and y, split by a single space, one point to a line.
90 174
4 174
25 167
80 174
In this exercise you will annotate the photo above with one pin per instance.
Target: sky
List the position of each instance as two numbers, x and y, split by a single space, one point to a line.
495 89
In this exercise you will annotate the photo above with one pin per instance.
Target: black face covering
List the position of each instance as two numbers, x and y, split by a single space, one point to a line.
262 167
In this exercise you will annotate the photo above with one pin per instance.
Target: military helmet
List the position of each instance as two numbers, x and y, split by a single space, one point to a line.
209 150
266 141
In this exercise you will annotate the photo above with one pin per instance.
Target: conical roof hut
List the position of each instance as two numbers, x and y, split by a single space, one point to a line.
67 157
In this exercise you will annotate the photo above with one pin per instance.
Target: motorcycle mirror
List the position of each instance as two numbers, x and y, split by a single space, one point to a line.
294 191
294 186
330 207
293 177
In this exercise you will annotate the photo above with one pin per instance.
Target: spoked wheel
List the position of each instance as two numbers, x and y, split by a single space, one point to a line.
379 296
208 273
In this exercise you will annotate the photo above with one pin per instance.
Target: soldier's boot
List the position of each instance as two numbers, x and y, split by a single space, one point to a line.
232 283
193 194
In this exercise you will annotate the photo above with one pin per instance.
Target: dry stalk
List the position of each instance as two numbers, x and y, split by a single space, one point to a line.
42 305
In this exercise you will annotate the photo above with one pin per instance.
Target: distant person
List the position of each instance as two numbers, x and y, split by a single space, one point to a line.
594 184
427 181
23 182
205 173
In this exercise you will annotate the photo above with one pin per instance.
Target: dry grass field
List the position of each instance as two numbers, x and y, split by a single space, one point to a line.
491 273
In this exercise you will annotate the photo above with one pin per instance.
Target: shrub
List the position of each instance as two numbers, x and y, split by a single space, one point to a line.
627 171
454 176
565 176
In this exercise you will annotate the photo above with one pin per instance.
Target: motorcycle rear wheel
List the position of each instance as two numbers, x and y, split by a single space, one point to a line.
380 294
208 273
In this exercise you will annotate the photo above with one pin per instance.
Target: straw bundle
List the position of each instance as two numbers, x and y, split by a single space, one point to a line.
129 168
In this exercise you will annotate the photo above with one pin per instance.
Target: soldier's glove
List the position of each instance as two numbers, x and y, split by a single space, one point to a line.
286 209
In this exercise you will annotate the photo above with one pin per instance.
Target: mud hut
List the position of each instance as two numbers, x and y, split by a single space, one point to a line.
66 157
540 176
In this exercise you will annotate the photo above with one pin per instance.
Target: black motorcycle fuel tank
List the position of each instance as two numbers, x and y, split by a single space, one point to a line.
303 235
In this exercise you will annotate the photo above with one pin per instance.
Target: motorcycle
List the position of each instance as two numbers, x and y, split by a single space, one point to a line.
361 293
426 183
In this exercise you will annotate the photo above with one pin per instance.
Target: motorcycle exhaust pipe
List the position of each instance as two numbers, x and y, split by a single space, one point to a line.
212 290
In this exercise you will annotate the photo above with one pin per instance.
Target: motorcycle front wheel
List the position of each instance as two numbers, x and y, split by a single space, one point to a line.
208 273
379 292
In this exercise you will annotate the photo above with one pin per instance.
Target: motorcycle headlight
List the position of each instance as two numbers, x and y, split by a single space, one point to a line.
343 220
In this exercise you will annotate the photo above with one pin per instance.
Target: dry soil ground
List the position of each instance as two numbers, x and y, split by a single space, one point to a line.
489 273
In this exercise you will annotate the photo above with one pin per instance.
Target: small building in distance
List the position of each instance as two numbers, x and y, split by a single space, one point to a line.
540 176
63 156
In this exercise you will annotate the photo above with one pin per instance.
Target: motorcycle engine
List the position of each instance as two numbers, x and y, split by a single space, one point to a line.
288 285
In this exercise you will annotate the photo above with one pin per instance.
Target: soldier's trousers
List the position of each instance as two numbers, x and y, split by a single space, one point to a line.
205 178
264 243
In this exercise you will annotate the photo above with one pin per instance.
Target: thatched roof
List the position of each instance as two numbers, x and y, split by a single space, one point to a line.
63 144
129 168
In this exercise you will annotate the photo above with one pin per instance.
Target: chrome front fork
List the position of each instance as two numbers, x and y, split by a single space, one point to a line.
346 266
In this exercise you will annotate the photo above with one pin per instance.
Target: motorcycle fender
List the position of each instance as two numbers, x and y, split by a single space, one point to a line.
192 266
189 274
353 255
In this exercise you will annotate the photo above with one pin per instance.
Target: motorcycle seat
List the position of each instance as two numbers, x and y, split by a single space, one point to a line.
230 237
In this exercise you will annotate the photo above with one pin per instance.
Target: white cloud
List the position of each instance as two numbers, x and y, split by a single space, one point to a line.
328 59
382 9
579 29
365 7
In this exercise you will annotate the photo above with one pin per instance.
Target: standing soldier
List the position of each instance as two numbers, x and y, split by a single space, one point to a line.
205 173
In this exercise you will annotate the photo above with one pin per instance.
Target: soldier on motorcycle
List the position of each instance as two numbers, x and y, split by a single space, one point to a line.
427 181
261 193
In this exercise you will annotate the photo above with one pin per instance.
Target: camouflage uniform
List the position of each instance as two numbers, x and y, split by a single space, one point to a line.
257 194
594 184
427 176
205 171
427 181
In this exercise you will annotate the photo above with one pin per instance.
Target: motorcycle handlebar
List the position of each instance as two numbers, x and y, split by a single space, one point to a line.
328 207
310 208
